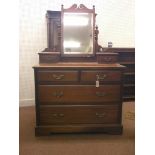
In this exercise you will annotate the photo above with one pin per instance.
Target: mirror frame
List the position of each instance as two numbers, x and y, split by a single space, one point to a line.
77 9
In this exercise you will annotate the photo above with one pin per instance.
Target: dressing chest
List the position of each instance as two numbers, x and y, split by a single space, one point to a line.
75 91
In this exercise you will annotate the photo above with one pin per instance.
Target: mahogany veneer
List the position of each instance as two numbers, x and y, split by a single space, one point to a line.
67 99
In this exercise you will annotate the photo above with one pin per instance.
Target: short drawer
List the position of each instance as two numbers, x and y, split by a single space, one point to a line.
92 76
57 76
78 93
79 114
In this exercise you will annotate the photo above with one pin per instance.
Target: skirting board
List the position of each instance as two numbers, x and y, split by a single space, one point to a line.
26 102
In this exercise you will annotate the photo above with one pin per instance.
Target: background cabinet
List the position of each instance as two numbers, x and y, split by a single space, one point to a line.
126 57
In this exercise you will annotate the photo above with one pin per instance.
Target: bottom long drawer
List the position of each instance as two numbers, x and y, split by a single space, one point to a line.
50 115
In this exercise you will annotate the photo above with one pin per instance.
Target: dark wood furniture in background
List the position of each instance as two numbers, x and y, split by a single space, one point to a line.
126 57
81 93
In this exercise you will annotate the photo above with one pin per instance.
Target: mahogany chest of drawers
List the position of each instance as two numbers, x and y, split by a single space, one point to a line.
78 97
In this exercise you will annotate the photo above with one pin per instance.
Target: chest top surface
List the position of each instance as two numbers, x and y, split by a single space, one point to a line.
66 65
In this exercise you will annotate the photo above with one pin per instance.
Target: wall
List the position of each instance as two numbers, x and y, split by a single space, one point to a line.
115 20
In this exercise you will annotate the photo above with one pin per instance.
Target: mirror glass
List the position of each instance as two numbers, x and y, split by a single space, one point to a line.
78 33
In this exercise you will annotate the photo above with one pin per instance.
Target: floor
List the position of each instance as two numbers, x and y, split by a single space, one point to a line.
77 144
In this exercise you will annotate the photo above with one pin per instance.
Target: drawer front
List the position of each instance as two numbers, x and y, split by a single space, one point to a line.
92 76
57 76
107 59
78 114
78 93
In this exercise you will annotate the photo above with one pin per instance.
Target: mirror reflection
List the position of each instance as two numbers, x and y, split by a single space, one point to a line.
78 33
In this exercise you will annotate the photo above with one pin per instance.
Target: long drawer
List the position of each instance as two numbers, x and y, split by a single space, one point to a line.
78 93
78 114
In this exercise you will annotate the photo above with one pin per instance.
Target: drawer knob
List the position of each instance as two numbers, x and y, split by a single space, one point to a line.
100 94
58 115
54 115
108 59
58 77
100 115
58 94
101 77
61 115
